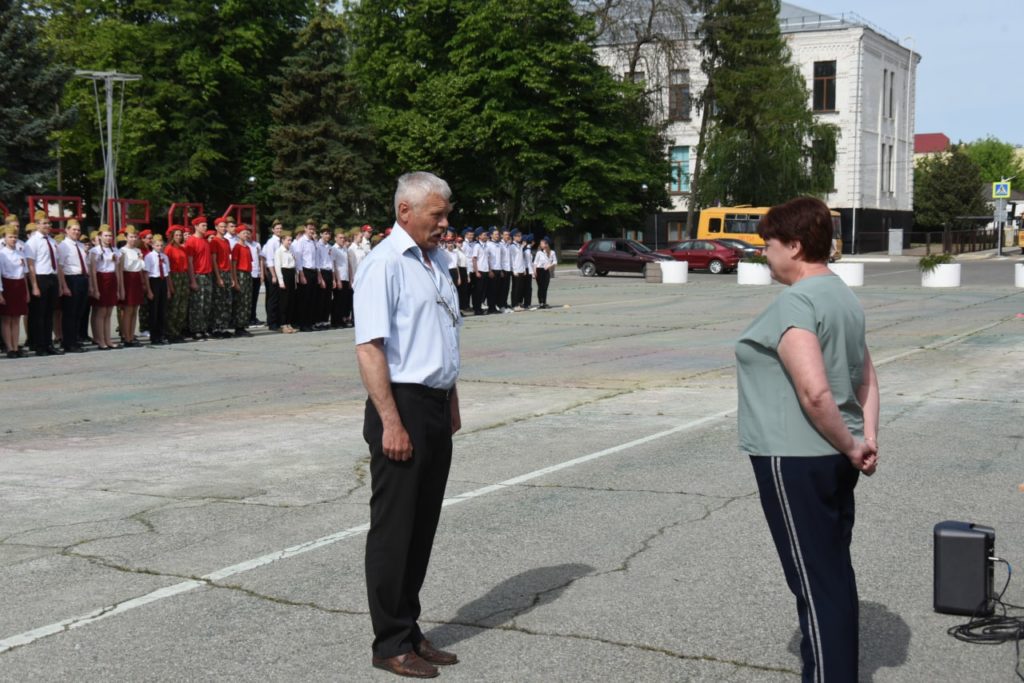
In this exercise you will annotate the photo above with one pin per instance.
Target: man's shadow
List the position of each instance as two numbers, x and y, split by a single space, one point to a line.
508 600
884 640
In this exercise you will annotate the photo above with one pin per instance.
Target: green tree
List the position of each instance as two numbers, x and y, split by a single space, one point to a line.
506 100
947 186
325 159
762 144
195 126
31 84
996 160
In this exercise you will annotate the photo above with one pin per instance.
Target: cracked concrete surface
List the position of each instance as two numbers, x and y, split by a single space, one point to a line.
652 563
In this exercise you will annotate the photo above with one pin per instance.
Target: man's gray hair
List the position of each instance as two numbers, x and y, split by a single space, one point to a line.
414 188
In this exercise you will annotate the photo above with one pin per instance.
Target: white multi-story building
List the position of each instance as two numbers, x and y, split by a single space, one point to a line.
858 77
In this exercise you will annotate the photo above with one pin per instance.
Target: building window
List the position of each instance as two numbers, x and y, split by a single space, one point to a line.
889 168
825 86
676 231
885 91
680 159
679 95
635 77
892 85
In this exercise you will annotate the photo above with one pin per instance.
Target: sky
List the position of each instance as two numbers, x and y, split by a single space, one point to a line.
970 52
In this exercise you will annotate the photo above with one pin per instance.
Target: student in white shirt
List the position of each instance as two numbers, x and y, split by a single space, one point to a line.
285 267
544 263
72 255
158 268
270 276
105 276
15 296
47 284
133 289
341 307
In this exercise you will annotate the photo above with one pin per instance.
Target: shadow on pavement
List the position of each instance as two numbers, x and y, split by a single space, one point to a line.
884 640
508 600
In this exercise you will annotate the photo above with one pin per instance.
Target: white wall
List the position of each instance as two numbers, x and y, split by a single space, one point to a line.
862 57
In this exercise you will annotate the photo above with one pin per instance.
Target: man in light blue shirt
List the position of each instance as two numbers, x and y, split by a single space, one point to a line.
407 344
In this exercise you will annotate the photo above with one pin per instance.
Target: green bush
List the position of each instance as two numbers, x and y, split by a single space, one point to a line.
928 263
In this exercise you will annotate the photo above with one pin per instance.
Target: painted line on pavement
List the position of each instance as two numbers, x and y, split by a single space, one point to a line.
32 636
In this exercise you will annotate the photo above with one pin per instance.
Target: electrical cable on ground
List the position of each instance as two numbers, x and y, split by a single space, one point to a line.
998 628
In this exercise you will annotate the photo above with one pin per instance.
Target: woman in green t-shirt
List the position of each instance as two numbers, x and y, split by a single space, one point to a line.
808 418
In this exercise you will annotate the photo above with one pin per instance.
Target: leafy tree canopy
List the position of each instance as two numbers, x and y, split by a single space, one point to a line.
763 144
505 99
996 160
946 186
325 159
31 84
195 126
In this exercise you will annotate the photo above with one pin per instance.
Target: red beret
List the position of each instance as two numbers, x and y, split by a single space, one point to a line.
367 228
175 228
220 221
145 233
197 220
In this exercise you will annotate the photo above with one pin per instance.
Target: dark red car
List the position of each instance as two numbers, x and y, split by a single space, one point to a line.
708 255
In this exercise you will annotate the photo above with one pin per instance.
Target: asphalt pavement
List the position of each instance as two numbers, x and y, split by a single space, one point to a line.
198 512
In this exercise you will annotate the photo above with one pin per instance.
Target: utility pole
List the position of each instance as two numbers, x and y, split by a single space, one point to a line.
107 143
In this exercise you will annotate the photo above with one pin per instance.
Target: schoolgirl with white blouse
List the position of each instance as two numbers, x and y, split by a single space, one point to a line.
284 268
14 293
133 288
544 263
105 276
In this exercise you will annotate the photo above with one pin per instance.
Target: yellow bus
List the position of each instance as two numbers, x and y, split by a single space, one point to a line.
740 222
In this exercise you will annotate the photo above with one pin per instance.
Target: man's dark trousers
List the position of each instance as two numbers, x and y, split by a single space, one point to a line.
40 312
405 505
272 304
307 298
72 309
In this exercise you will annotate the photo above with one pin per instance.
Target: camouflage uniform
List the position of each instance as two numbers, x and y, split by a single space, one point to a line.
177 307
220 316
242 309
199 304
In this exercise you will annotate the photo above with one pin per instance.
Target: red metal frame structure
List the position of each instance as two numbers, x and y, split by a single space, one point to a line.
186 213
242 211
3 210
42 202
119 213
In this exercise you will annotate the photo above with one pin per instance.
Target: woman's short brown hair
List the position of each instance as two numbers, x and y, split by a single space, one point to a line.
806 220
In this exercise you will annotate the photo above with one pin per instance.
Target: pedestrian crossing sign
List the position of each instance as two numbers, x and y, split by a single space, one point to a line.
1001 190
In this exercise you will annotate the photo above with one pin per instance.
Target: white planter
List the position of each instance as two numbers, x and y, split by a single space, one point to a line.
674 272
753 274
1018 274
850 273
944 275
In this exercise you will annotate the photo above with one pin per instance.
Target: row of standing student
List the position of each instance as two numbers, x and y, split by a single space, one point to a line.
205 283
494 270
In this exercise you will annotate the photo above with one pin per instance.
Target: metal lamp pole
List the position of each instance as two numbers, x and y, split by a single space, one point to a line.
107 144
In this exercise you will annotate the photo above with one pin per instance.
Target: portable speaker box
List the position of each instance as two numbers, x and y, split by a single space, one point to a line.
963 568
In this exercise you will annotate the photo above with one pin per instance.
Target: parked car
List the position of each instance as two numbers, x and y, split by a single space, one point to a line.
704 254
747 248
607 254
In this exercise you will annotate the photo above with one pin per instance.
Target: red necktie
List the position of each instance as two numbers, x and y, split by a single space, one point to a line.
53 257
78 250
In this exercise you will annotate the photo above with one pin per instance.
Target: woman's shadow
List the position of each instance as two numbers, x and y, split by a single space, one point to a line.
508 600
884 640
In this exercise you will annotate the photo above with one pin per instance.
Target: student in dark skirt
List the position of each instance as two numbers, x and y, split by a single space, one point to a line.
134 286
105 274
14 294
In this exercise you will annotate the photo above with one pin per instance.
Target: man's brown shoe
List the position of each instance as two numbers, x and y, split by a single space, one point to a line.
408 664
427 651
